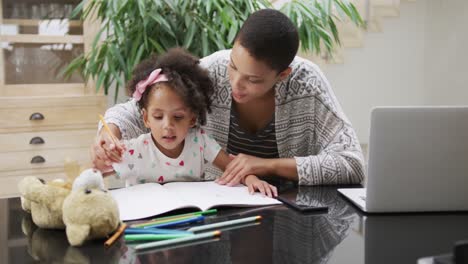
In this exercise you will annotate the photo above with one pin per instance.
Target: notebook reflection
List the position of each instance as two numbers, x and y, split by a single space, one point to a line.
311 238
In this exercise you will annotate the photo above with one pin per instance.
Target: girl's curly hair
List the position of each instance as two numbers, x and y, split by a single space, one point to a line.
186 77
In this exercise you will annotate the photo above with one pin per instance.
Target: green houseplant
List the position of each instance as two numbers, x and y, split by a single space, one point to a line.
133 29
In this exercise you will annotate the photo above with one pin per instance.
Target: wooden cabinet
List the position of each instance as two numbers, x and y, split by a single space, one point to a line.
44 118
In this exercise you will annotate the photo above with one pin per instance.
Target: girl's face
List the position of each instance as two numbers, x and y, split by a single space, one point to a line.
250 78
169 119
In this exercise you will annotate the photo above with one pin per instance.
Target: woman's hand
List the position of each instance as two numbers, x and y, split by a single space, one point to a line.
105 151
254 184
241 166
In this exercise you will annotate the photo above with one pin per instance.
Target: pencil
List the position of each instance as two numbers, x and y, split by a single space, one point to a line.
174 217
116 235
207 212
192 219
163 221
106 127
155 231
152 237
225 223
177 240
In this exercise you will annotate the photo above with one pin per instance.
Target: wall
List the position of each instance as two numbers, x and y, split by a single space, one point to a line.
418 59
446 52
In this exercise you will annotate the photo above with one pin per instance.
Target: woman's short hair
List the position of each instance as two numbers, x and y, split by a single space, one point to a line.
271 37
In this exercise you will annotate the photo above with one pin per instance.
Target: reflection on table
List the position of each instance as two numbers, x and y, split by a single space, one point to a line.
343 235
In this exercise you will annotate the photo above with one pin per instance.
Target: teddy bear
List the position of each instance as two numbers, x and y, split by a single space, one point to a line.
89 211
83 207
44 201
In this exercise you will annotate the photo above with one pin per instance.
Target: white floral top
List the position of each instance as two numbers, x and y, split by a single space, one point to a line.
143 162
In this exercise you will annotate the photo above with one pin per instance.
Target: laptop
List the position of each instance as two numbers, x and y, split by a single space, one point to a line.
418 161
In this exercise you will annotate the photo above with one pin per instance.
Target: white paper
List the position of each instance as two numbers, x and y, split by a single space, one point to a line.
150 199
144 200
209 194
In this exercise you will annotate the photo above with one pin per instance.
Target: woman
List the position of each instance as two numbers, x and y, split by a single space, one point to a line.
274 112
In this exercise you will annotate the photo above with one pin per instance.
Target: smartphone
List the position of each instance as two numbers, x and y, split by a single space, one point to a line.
302 208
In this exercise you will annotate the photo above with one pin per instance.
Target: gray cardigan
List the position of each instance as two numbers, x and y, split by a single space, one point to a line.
310 125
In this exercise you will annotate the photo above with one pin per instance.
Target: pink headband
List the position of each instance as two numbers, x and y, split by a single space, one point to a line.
154 77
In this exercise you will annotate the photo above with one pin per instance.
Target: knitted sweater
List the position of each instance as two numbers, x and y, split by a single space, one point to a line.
310 125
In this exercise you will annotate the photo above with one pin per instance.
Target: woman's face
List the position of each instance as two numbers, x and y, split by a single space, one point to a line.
250 78
169 120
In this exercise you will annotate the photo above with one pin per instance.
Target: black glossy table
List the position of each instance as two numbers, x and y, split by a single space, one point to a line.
343 235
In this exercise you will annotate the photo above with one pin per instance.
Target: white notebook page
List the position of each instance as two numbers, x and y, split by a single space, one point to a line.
150 199
144 200
209 194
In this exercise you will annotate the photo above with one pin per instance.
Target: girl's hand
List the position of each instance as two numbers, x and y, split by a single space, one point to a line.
241 166
104 152
254 184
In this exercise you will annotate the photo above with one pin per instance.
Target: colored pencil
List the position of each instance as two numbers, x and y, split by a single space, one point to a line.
178 222
225 223
163 221
177 240
155 231
116 235
152 237
172 217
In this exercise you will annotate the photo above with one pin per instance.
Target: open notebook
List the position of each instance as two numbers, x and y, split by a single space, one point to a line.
150 199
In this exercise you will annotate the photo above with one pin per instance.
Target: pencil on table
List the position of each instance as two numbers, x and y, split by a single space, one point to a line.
192 219
153 237
106 127
163 221
225 223
177 240
174 217
116 235
154 230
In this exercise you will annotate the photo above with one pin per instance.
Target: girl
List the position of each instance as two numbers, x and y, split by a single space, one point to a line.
173 93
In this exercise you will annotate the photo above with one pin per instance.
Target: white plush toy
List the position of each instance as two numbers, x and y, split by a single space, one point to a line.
87 211
90 178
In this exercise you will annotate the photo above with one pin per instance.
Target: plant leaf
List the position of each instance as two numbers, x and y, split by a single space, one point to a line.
189 36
